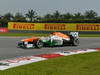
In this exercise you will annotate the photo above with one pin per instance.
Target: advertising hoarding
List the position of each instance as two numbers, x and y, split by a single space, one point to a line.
4 30
54 26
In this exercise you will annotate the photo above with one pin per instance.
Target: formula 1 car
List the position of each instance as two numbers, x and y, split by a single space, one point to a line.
54 39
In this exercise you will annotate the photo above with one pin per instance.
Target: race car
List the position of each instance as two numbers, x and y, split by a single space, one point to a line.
54 39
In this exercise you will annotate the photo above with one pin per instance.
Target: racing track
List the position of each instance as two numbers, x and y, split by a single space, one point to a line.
8 47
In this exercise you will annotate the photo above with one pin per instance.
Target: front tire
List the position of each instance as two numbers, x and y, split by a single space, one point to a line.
39 44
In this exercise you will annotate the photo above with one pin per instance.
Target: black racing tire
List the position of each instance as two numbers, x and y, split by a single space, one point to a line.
39 44
75 42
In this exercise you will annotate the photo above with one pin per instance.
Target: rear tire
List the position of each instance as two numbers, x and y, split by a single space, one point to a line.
75 42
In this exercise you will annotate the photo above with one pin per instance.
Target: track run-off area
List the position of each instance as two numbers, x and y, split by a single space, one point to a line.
8 47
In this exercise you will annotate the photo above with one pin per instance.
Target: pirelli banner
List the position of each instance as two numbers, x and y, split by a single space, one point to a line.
54 26
37 26
88 27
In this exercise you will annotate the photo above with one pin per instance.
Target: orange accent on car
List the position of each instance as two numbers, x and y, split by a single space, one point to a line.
30 39
60 34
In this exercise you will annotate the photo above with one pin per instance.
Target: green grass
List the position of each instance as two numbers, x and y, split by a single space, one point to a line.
89 35
82 64
41 34
23 34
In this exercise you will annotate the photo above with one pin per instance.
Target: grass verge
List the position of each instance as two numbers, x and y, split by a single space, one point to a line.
81 64
23 34
89 35
42 34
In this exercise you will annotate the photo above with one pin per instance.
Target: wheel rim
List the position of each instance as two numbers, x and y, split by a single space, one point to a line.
39 44
76 42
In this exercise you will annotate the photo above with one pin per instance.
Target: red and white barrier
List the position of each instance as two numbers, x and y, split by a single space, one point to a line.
3 30
6 64
10 63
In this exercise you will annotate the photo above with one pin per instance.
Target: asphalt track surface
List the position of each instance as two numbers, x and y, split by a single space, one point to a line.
8 47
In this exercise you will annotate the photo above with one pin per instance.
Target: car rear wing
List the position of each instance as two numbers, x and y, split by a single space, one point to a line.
74 34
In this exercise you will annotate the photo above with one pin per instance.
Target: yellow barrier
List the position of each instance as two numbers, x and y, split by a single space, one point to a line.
88 27
37 26
20 26
54 26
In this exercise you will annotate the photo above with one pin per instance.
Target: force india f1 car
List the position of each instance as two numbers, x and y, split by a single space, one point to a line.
54 39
